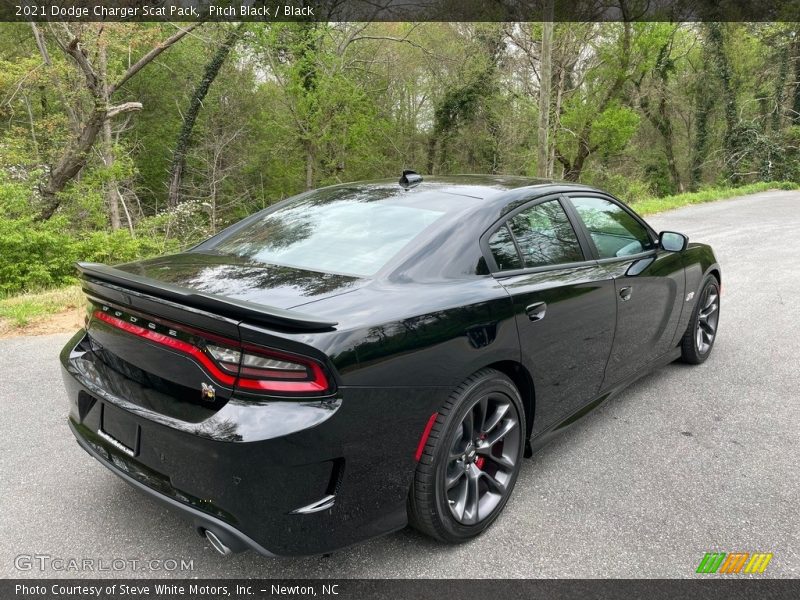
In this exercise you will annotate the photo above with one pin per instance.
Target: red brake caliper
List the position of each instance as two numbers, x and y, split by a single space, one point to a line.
481 459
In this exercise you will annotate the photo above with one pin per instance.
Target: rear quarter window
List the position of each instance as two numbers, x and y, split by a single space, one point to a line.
504 251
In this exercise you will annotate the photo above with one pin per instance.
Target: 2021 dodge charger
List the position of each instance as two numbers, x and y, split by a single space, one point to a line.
371 354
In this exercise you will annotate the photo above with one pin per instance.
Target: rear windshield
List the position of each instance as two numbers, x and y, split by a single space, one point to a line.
354 236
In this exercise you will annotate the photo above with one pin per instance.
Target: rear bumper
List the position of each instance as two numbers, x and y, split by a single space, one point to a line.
232 537
246 471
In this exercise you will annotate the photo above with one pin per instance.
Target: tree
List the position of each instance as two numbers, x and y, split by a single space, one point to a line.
716 42
324 78
597 116
190 117
543 166
76 152
654 99
705 100
468 98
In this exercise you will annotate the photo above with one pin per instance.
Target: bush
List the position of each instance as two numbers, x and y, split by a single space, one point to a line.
37 255
34 256
116 247
625 188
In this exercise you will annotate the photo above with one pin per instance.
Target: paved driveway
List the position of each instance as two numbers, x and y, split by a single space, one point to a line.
687 460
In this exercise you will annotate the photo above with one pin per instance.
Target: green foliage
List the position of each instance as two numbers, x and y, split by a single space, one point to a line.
613 128
37 255
625 188
642 110
184 225
34 256
657 175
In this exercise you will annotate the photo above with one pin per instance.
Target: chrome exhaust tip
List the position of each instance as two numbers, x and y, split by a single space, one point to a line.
217 544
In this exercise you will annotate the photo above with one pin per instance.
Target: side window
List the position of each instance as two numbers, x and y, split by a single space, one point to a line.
613 230
545 235
504 251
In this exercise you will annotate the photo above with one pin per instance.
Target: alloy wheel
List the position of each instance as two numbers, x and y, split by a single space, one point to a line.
483 456
707 319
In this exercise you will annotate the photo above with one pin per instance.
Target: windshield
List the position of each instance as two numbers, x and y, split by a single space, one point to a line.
353 235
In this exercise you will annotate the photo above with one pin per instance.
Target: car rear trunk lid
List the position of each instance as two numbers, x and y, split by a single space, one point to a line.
184 343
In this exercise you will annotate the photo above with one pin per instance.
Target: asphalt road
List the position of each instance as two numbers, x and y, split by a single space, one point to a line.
687 460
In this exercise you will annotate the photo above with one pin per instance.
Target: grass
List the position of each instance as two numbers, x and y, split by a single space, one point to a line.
23 309
20 311
649 206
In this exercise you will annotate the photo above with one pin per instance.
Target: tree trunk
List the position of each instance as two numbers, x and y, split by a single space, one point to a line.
431 153
111 189
672 165
780 89
725 73
190 118
543 168
42 45
107 147
561 81
705 102
661 118
573 169
309 166
796 98
71 162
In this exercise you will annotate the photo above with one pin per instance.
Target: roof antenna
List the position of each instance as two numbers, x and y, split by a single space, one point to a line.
410 179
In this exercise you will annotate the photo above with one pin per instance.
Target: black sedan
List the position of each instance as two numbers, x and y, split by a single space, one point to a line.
371 354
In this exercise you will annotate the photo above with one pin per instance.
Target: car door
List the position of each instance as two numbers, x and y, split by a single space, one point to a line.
649 282
564 303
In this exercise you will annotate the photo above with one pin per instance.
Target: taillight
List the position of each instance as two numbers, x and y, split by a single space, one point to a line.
270 370
250 368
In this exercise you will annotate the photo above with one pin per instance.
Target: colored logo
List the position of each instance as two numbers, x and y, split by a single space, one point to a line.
208 392
734 562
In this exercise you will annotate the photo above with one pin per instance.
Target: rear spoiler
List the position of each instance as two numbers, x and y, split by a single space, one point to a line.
230 307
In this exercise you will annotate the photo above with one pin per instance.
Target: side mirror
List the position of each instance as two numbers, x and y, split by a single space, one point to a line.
672 241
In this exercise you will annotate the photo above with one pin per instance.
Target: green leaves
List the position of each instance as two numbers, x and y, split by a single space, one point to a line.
613 128
639 108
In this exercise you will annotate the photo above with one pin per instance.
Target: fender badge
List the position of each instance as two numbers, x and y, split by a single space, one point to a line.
689 296
208 392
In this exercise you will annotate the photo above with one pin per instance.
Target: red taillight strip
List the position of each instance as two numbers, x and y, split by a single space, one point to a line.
424 439
175 344
319 383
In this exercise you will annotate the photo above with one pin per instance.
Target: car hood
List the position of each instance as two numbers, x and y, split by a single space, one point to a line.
272 285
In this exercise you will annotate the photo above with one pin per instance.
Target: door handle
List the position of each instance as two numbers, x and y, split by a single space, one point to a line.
536 311
625 293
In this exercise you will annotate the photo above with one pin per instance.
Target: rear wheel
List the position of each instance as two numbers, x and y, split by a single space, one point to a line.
471 460
698 341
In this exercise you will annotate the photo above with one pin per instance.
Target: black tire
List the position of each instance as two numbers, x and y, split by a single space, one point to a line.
701 333
489 465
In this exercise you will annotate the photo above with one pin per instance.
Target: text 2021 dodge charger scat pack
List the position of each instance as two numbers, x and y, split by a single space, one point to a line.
371 354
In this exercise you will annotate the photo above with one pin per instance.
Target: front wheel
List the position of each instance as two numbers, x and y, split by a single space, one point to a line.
701 333
471 460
